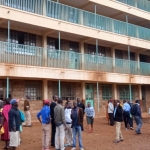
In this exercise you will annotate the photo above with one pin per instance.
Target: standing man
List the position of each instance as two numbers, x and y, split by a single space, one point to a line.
53 130
118 118
90 114
59 118
110 112
45 114
138 116
14 125
68 122
81 105
131 117
126 113
27 112
77 121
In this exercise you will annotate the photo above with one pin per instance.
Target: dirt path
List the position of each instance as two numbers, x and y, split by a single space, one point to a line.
101 139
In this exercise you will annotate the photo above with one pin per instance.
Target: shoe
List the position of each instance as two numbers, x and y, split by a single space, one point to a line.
138 132
131 128
81 149
116 141
73 148
66 145
121 140
52 145
27 125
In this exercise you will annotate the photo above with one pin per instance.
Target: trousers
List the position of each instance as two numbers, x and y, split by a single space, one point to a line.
118 131
45 136
59 137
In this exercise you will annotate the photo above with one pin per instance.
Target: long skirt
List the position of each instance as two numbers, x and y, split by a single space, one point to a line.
14 139
5 136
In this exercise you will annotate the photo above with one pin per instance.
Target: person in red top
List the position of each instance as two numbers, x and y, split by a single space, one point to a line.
5 137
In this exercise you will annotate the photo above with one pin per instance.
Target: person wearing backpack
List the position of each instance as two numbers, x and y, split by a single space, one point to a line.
138 116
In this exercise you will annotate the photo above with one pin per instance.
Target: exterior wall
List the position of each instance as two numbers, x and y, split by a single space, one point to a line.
49 23
69 74
53 89
123 8
147 89
18 89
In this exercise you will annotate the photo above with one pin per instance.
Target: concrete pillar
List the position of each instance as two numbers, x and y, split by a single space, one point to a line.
140 92
45 89
82 55
83 91
115 91
137 58
44 44
113 57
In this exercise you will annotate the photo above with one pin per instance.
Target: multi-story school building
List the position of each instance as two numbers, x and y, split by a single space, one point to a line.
93 49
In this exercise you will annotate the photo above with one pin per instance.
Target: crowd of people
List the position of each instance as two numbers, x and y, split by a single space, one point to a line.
118 113
66 121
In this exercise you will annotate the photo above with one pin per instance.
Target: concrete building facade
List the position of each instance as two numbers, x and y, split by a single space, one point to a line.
95 50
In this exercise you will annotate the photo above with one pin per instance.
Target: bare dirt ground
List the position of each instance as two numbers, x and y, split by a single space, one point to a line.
101 139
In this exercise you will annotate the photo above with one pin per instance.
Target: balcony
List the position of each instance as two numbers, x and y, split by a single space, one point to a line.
77 16
140 4
33 56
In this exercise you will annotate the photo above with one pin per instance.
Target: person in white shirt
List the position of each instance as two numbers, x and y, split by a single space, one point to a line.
110 112
68 132
90 114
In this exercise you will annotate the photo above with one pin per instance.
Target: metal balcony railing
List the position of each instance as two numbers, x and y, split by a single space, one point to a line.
70 14
21 54
11 53
141 4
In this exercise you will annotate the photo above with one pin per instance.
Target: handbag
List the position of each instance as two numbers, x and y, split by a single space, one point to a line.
2 130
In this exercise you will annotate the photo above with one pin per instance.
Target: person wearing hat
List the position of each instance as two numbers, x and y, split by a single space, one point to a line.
14 125
27 112
138 117
44 113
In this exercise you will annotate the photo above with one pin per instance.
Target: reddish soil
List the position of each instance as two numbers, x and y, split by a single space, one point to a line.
101 139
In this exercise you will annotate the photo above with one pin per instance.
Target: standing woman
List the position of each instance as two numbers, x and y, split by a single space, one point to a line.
5 137
90 114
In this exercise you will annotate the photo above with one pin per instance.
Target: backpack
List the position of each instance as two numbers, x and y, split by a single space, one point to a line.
133 110
22 116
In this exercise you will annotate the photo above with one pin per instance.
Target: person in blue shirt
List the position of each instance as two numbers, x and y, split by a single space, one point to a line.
44 114
126 113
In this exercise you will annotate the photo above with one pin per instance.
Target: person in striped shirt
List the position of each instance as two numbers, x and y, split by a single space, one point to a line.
90 114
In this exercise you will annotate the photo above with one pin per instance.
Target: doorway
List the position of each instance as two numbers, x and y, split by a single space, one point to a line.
89 93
